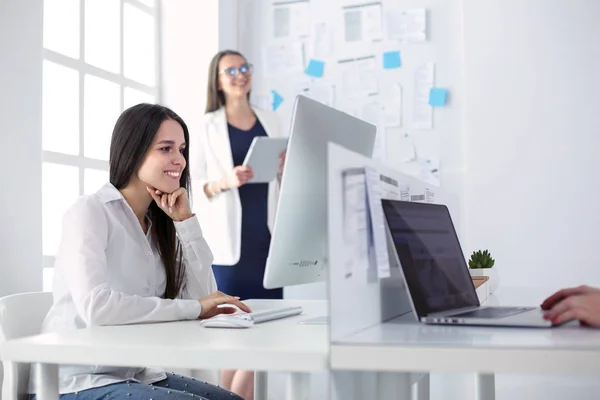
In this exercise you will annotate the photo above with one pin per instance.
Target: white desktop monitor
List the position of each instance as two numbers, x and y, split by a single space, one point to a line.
298 252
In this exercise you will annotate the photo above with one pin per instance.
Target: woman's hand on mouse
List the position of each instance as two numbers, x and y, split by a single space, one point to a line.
176 205
210 305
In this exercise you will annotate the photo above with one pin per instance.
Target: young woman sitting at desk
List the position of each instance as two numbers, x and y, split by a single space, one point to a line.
581 303
133 252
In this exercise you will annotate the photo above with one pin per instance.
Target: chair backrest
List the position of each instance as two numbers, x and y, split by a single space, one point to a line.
20 315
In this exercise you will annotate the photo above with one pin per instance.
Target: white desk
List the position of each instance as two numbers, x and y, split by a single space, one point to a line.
282 345
415 347
395 347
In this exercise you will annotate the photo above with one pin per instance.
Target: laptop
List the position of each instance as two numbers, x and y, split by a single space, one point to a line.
437 277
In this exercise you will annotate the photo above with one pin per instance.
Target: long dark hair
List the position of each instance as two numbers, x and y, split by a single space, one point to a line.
215 98
132 137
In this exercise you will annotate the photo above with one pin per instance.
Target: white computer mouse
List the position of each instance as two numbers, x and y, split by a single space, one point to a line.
229 321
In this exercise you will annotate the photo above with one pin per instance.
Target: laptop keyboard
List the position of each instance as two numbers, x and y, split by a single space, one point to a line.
493 312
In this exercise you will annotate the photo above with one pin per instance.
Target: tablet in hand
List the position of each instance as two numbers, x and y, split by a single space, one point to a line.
264 156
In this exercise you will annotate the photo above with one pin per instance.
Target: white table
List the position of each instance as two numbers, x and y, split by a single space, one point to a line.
395 347
282 345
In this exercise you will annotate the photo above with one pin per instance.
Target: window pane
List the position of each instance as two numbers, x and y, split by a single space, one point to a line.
133 97
149 3
94 179
101 110
102 33
60 189
47 277
139 45
60 109
61 26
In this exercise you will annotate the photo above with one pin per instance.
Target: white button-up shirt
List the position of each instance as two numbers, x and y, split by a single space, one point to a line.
108 272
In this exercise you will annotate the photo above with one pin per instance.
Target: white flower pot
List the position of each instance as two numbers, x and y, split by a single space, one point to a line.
491 273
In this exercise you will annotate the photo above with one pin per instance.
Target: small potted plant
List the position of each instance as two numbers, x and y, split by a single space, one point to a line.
480 264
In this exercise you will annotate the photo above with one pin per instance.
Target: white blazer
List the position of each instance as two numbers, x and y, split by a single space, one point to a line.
210 159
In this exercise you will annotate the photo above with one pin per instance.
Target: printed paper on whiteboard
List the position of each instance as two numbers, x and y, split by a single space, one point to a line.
406 149
373 113
322 40
359 77
321 91
291 19
423 112
362 22
283 59
356 219
378 252
406 26
391 98
430 171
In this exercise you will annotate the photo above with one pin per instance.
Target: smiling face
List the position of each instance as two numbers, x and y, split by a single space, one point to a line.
164 161
232 82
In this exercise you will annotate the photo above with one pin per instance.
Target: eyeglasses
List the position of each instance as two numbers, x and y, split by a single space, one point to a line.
245 69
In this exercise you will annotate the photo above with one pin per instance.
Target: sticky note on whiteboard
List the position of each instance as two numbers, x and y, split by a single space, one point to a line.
277 100
438 97
391 59
315 68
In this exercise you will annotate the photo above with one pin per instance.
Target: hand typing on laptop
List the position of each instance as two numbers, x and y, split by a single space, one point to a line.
581 303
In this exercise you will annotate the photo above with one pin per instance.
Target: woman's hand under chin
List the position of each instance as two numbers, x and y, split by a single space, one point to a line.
176 205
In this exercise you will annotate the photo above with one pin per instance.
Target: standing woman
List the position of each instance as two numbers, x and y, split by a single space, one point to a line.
236 217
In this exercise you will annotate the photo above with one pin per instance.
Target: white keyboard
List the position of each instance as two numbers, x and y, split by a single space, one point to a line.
274 313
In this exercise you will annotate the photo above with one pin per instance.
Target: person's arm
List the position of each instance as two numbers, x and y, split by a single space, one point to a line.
278 132
82 261
281 165
199 173
197 258
581 303
199 280
562 294
213 188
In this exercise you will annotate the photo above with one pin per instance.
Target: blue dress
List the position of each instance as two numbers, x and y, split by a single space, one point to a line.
245 279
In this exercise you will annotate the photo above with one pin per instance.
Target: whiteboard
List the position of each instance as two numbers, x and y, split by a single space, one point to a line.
443 48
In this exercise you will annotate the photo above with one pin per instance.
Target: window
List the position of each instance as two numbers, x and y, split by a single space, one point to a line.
100 57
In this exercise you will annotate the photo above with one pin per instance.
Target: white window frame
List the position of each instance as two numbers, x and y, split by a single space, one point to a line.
83 68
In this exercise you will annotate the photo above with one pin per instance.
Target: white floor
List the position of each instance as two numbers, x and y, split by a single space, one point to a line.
515 387
460 386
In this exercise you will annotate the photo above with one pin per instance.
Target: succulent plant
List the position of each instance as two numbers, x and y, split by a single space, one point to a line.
481 259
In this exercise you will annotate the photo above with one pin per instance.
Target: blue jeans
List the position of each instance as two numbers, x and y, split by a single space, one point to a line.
175 387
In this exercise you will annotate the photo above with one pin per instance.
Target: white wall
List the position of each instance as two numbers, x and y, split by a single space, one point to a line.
21 139
189 39
21 142
532 138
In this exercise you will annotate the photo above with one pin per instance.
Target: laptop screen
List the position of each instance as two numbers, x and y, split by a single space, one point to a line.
430 256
